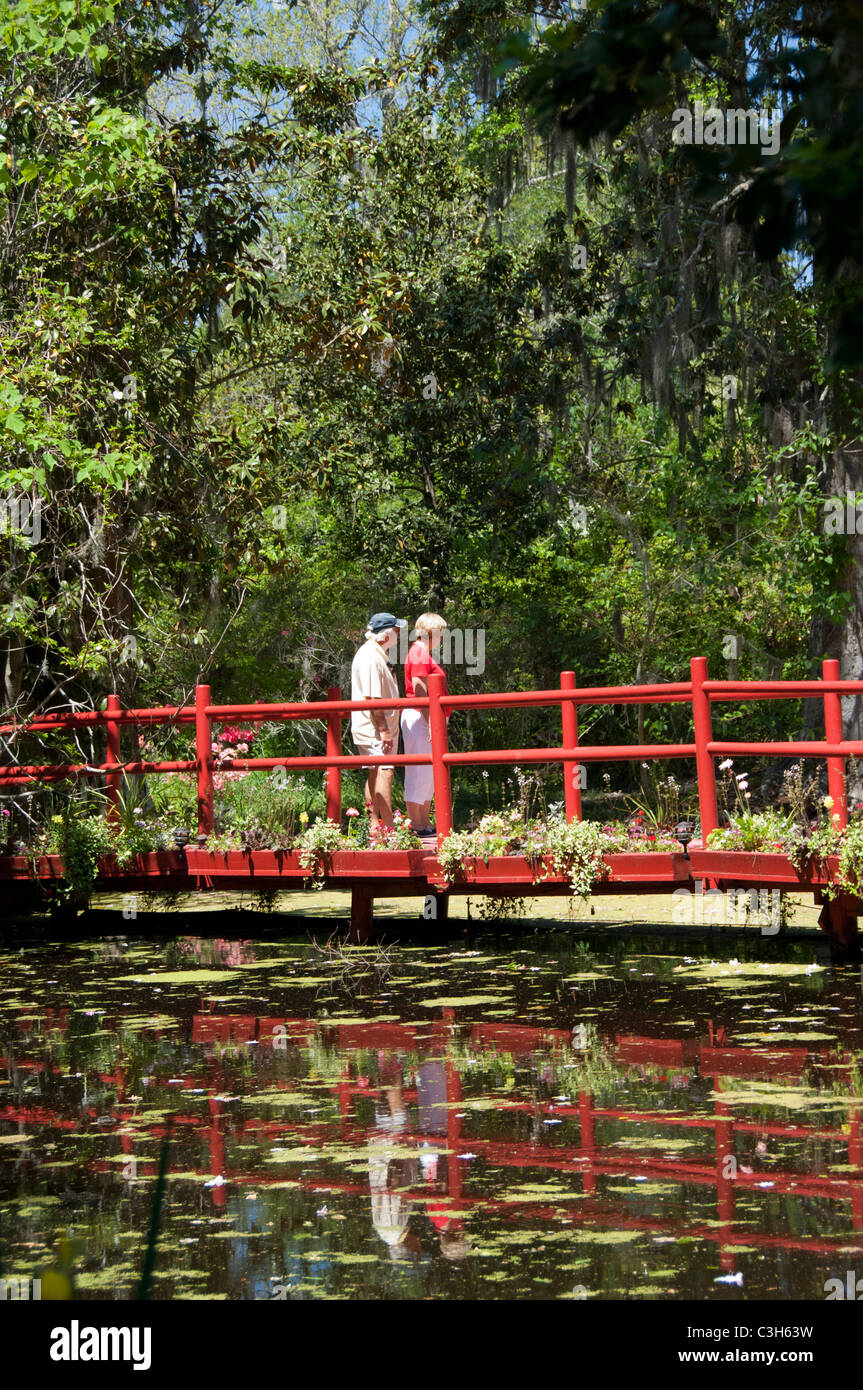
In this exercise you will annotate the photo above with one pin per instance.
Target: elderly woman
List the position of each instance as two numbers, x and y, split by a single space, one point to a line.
419 780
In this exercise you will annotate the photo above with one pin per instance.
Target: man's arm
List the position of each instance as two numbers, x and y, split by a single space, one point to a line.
379 716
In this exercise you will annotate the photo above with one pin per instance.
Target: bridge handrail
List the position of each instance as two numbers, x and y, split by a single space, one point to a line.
698 691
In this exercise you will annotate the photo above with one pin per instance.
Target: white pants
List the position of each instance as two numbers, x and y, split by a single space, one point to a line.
419 781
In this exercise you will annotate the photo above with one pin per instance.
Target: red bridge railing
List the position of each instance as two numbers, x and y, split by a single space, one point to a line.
699 692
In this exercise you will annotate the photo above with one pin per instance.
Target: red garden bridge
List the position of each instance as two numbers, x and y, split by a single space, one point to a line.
369 874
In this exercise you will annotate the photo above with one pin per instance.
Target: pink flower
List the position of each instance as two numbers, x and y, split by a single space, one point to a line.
351 811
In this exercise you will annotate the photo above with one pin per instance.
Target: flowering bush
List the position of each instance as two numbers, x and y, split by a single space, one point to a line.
230 743
240 740
264 810
143 835
399 835
81 835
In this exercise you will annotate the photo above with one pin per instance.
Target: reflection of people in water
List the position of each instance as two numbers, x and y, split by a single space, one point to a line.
433 1116
391 1169
388 1169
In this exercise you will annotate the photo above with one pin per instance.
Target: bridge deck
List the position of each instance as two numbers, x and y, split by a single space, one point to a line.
370 874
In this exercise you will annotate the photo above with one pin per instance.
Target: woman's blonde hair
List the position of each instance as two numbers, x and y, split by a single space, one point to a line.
430 622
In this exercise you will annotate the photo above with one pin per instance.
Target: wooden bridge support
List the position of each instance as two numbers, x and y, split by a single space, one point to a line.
362 914
434 910
838 921
435 906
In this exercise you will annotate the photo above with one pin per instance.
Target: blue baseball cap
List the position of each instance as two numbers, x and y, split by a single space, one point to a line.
379 622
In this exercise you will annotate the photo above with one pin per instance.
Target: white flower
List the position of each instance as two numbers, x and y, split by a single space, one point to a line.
723 767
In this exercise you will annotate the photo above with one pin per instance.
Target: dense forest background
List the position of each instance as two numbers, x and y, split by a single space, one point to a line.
313 309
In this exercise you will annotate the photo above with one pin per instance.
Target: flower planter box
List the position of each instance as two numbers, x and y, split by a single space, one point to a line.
757 866
149 864
239 863
504 868
647 867
18 866
372 863
261 863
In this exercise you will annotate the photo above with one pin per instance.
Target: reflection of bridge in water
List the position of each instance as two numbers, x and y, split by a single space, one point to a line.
371 874
711 1060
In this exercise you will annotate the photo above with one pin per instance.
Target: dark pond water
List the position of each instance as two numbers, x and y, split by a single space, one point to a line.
537 1120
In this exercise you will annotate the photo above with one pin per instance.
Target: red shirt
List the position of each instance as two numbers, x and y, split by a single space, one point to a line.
421 663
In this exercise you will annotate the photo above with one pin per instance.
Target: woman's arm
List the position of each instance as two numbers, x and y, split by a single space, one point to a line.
421 690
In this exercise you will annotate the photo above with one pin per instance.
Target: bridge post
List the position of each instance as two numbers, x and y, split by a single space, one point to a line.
362 914
112 758
838 921
334 748
571 771
833 734
437 729
204 756
704 767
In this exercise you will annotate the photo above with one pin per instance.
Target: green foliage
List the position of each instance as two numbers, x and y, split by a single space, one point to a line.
295 325
262 810
80 839
753 830
317 843
574 848
175 798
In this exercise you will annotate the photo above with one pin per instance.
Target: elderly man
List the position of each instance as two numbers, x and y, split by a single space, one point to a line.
376 731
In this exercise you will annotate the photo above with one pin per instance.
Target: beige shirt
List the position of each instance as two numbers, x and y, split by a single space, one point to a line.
372 678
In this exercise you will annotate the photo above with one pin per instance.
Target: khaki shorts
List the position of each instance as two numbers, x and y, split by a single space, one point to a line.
375 750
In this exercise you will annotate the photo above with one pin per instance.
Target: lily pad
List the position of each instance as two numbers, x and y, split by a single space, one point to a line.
457 1000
